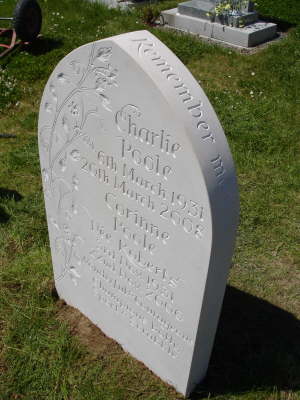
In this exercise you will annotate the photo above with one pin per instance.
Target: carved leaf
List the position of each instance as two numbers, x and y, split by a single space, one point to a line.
74 272
105 101
63 78
76 256
46 181
75 182
66 126
110 72
43 139
48 107
64 187
54 223
100 71
106 76
74 207
63 190
76 66
67 237
103 54
45 174
75 155
63 163
74 275
53 92
74 109
59 245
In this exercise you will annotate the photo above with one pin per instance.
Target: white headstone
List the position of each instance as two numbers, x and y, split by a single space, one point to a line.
141 200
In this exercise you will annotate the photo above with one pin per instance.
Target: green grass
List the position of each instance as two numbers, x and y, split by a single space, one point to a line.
257 350
287 10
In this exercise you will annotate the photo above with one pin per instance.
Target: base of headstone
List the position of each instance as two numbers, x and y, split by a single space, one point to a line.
249 36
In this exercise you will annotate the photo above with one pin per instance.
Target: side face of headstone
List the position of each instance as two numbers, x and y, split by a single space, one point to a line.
141 200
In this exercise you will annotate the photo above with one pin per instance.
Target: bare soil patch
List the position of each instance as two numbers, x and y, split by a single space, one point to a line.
88 334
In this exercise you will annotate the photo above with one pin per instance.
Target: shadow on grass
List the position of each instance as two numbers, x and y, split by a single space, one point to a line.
257 347
43 45
4 217
282 26
11 195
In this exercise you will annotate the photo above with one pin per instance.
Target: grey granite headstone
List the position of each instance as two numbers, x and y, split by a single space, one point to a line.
239 27
197 8
204 9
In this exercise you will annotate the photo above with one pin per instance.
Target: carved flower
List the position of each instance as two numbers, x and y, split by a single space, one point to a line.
73 208
45 175
77 131
74 275
103 54
53 92
49 107
106 76
76 66
75 182
75 155
74 109
63 78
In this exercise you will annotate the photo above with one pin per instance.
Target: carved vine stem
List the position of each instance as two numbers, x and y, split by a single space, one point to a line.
78 89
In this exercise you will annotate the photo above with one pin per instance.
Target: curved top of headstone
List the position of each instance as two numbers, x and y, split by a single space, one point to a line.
141 200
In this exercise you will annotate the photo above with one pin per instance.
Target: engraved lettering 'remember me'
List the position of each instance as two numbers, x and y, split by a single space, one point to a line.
193 106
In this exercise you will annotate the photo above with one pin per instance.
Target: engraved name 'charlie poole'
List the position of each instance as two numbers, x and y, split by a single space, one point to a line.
126 121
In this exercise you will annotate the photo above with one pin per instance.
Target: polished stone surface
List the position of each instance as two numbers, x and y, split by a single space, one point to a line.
196 8
204 9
